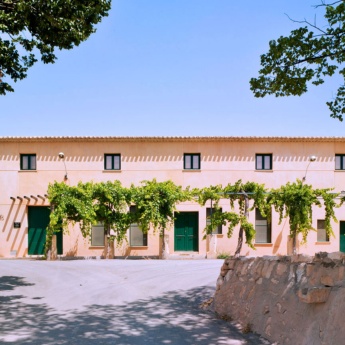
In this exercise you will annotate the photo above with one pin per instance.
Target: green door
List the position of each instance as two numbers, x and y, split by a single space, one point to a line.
342 236
38 219
186 231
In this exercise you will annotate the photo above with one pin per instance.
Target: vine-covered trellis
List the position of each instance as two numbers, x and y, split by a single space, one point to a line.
296 200
241 193
109 202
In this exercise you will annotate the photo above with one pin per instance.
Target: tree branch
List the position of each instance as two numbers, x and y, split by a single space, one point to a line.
323 3
7 6
306 22
310 59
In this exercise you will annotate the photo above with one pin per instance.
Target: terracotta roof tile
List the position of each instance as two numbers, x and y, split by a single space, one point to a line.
170 138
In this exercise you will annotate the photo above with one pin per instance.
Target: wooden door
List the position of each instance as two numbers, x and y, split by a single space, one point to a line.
186 231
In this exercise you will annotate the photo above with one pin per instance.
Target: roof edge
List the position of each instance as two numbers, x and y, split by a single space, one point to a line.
169 139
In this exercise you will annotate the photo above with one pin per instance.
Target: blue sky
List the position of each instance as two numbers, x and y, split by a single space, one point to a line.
170 68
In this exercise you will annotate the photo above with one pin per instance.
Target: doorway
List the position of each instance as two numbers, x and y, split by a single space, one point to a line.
186 231
38 220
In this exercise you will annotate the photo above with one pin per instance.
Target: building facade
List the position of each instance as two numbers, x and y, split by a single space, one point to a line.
29 164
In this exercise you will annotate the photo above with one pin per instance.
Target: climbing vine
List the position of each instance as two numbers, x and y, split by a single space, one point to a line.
70 204
241 193
109 203
296 200
156 203
217 217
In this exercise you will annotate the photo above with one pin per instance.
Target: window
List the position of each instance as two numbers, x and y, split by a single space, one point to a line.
322 235
97 235
262 228
28 162
340 162
218 230
112 162
191 161
136 237
263 162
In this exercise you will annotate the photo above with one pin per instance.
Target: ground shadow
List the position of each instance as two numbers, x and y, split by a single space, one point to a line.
174 318
11 282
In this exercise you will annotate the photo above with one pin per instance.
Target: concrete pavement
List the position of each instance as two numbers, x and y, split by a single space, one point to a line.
118 302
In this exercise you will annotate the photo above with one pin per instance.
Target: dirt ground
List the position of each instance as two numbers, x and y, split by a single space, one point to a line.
112 302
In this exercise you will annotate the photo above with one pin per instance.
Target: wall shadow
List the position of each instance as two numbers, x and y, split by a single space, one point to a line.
174 156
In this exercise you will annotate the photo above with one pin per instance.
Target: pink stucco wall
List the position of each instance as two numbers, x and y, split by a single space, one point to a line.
223 161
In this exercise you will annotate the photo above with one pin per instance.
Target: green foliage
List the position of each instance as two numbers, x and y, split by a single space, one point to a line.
37 27
111 203
155 203
309 54
295 201
213 193
329 206
249 231
223 255
250 190
70 204
218 218
232 219
241 193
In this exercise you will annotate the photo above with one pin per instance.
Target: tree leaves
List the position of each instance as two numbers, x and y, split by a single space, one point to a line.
307 55
31 28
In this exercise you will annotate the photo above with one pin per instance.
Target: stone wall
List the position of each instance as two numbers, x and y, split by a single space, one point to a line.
297 300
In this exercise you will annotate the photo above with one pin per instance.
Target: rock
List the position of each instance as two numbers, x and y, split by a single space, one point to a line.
291 298
314 294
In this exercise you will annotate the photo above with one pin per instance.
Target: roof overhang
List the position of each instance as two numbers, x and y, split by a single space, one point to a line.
170 139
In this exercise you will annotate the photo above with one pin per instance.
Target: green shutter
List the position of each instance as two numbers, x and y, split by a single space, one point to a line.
342 236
